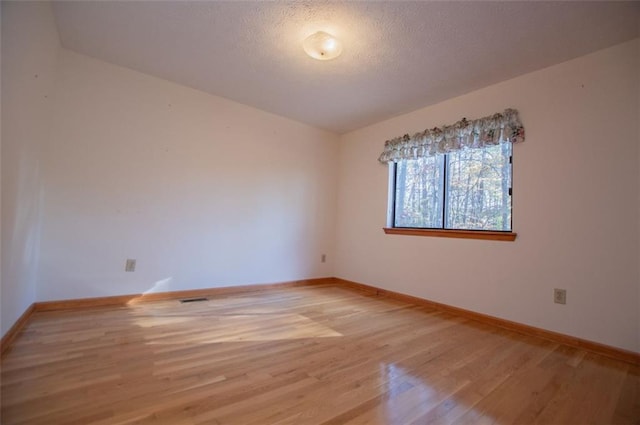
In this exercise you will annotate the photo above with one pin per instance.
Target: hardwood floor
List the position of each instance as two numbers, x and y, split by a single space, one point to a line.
308 355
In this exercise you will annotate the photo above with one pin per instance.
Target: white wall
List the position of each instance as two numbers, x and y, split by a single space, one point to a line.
576 207
202 191
29 49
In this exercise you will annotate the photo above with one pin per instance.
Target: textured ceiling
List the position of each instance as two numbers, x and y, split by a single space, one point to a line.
398 56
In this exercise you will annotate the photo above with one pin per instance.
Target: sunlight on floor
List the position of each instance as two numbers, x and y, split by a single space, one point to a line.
210 322
233 328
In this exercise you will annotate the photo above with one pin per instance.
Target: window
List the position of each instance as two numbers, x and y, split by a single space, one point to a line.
466 189
455 180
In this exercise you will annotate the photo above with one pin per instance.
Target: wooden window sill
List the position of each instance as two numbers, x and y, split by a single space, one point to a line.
447 233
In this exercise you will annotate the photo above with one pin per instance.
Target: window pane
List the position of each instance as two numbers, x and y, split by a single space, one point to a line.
419 189
478 182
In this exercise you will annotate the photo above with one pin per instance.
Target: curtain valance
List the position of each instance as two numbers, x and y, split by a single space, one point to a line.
492 130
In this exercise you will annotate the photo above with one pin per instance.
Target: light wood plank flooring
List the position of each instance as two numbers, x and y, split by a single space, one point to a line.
308 355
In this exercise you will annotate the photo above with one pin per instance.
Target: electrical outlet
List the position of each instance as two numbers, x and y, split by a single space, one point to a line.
130 265
323 258
560 296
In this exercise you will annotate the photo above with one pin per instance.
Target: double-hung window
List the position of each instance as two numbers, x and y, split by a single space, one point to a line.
454 178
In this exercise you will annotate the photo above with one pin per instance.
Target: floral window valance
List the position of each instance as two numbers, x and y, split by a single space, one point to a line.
492 130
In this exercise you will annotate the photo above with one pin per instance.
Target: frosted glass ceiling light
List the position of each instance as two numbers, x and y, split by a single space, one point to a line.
322 46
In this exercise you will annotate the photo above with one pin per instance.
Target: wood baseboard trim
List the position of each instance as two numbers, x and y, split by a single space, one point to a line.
572 341
13 332
121 300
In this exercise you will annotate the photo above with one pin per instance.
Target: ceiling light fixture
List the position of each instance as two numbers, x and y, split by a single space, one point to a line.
322 46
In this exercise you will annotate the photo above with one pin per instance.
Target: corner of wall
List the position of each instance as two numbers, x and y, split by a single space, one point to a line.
30 46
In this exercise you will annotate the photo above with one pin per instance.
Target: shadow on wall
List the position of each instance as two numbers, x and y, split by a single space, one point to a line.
21 228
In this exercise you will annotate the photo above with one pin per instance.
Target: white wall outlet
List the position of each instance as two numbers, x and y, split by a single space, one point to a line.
323 258
130 265
560 296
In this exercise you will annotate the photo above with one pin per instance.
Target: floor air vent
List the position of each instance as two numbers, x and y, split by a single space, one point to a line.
193 300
